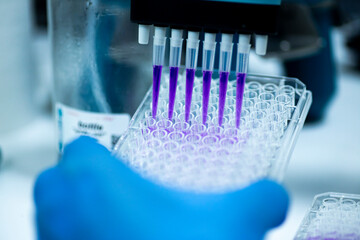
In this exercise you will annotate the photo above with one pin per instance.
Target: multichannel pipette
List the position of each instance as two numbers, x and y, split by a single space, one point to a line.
209 45
174 63
158 62
186 16
224 70
241 70
207 67
231 16
192 49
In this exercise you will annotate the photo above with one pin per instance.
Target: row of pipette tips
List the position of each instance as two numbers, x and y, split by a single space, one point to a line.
209 46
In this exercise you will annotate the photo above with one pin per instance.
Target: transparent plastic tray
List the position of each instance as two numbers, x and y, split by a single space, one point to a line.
225 167
334 216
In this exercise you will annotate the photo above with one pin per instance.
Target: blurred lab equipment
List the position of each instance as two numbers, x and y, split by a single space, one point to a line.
17 105
317 70
69 205
100 72
349 15
304 44
16 66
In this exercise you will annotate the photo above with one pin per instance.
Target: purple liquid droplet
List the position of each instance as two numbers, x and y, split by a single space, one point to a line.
174 71
190 75
240 85
156 88
224 77
206 93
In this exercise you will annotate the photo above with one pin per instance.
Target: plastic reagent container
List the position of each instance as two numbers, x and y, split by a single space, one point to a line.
98 80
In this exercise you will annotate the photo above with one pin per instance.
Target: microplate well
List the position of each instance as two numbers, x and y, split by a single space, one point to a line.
211 158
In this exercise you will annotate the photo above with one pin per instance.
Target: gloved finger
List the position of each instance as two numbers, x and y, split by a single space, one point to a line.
84 159
83 153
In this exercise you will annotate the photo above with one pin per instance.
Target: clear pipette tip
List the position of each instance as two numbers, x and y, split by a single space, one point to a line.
242 62
174 63
224 69
192 49
158 62
208 67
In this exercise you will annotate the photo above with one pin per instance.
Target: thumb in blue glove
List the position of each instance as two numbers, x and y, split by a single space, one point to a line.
92 195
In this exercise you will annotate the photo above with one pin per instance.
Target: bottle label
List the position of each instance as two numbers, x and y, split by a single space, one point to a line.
106 127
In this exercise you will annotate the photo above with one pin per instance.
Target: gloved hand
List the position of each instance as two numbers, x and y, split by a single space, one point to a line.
92 195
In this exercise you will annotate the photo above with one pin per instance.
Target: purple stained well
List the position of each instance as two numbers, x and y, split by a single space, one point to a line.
174 72
240 85
206 93
156 88
224 77
190 75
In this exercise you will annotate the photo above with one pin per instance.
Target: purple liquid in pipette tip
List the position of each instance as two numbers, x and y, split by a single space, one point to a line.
190 75
206 93
224 77
240 85
156 88
174 71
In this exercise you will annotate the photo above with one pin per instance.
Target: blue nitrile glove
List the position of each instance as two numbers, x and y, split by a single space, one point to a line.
92 195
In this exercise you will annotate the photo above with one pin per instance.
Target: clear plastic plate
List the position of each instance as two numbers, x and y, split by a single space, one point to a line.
208 158
333 216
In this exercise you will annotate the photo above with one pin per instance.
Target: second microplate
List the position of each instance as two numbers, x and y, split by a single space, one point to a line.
199 157
332 216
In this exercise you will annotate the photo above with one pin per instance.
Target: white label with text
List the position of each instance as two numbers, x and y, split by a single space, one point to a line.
106 127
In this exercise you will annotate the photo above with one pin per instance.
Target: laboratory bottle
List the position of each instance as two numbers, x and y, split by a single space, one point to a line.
100 72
